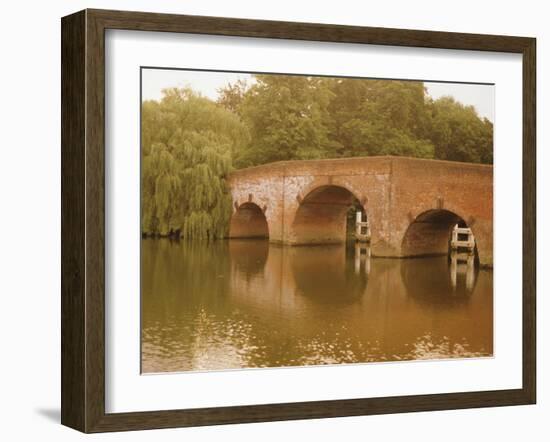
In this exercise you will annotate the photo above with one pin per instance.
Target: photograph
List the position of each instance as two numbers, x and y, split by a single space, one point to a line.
303 220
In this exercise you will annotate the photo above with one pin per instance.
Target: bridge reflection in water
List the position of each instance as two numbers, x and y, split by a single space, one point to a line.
248 303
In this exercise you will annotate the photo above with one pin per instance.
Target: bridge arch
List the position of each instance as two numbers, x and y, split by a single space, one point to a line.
321 215
429 233
248 221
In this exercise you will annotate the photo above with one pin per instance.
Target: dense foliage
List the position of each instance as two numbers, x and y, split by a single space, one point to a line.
295 117
191 143
187 147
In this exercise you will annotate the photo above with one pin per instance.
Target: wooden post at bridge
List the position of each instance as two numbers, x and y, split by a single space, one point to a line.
362 229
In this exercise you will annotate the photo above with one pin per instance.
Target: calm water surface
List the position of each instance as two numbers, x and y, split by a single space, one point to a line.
247 303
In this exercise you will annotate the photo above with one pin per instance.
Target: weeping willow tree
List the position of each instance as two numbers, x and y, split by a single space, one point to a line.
188 143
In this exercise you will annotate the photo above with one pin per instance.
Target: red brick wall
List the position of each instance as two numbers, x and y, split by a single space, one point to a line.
461 188
394 191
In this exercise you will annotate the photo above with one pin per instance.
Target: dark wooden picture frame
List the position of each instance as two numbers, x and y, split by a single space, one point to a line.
83 220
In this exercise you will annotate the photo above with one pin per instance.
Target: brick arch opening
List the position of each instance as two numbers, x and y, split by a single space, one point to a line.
322 215
248 221
430 233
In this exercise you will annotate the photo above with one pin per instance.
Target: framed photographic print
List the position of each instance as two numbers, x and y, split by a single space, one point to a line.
271 220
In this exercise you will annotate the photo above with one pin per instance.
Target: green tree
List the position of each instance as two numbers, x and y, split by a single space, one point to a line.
231 96
287 119
298 117
188 143
379 117
459 134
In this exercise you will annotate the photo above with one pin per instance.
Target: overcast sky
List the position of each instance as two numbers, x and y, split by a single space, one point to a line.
207 83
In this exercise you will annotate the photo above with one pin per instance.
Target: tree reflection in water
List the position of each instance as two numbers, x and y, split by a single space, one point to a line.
248 303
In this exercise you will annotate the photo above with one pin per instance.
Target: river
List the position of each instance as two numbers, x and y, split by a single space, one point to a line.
248 303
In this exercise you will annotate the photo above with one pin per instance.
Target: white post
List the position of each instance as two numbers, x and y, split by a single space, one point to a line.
358 219
454 238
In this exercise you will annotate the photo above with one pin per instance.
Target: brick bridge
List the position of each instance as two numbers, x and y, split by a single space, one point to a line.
411 204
